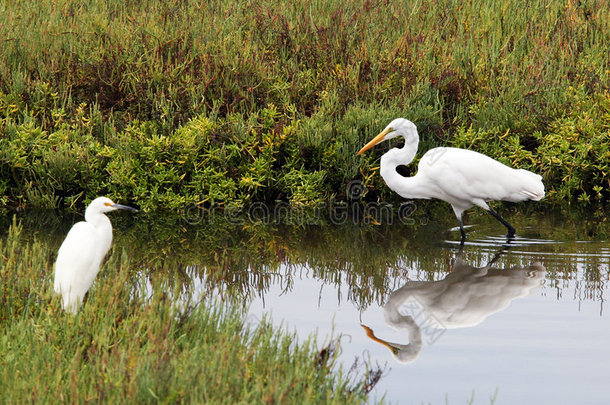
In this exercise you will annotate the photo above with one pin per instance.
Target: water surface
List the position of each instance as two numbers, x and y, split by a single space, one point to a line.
491 322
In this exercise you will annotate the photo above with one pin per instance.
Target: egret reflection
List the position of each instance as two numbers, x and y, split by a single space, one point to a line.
464 298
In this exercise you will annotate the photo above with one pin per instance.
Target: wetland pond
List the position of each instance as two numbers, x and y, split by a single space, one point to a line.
524 322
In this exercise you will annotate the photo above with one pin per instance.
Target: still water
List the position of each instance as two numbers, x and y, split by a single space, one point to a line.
530 328
491 322
494 323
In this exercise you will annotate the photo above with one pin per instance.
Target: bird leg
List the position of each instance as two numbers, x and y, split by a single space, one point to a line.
458 214
462 230
503 250
459 255
511 230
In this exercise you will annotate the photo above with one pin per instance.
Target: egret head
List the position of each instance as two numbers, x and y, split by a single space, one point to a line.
398 127
105 204
403 353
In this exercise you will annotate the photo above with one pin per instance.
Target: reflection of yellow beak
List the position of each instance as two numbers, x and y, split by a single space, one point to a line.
375 140
370 334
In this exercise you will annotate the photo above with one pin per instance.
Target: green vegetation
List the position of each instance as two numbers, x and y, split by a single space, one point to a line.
132 345
168 103
173 104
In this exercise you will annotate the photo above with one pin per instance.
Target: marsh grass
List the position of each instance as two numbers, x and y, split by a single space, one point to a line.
171 102
129 344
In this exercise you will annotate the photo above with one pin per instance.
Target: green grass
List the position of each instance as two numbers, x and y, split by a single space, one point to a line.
166 103
127 345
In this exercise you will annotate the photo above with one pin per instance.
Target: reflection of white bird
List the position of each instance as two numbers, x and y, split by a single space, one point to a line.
465 298
80 255
404 353
461 177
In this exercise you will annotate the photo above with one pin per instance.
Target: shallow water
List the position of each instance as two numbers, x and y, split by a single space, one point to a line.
530 327
532 330
523 322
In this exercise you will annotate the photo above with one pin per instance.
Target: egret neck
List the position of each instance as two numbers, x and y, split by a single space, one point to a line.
103 228
406 187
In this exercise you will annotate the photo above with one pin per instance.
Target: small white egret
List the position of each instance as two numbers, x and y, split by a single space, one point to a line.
80 255
461 177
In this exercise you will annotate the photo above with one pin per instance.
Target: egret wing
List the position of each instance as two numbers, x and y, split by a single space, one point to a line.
77 262
471 176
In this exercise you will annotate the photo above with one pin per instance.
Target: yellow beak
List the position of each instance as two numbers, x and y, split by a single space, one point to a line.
370 334
375 140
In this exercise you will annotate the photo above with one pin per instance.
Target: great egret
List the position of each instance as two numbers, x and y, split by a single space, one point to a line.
461 177
81 253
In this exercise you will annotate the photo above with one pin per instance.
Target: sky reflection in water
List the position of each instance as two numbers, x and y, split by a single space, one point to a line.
531 328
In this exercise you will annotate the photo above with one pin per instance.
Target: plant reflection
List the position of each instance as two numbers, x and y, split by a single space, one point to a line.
363 263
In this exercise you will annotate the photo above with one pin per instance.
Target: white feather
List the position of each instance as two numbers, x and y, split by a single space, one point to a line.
461 177
81 254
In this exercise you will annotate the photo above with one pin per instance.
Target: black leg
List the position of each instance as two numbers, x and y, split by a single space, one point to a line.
462 230
511 230
503 250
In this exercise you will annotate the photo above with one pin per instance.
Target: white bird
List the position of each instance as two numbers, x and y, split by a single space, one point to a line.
80 255
461 177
